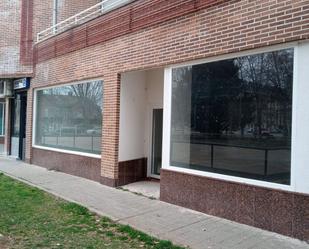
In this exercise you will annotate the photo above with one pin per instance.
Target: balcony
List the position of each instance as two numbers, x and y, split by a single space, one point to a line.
98 26
99 9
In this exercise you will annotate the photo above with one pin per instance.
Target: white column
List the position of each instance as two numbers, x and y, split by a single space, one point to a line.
300 136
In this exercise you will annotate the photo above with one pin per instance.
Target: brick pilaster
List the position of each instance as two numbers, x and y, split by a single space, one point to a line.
28 154
26 41
110 129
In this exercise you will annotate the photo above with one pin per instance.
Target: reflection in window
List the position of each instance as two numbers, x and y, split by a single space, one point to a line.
2 118
112 4
234 116
16 117
70 117
2 82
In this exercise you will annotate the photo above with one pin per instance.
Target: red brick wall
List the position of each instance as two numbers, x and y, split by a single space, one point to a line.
131 17
223 28
233 26
10 30
116 43
110 129
29 120
26 36
42 16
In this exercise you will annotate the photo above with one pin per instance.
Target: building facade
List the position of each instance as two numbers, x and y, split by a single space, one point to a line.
209 96
15 62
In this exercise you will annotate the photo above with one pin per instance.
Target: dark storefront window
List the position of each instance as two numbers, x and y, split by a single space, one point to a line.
70 117
2 82
234 116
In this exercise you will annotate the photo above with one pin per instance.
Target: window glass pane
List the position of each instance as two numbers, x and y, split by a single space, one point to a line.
70 117
1 86
234 116
112 4
16 117
2 118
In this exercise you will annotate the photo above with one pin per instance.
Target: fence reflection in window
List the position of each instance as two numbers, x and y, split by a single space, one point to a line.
234 116
70 117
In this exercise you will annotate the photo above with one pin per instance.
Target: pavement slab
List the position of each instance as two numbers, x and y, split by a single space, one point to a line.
163 220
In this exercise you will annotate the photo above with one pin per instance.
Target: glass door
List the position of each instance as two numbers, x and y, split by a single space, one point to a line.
156 152
19 125
15 126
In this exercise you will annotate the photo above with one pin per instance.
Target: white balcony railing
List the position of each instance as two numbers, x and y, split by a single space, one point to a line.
82 17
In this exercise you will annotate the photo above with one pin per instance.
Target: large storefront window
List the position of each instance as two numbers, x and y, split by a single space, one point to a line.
234 116
70 117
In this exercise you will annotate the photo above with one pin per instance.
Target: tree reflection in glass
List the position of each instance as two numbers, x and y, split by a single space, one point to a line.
70 117
234 116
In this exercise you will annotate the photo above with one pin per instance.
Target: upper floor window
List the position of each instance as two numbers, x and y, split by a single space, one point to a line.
111 4
2 82
234 116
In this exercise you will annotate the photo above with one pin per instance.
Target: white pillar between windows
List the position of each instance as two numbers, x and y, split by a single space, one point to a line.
300 134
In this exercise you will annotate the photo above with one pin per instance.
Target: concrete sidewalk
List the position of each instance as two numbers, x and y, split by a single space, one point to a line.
182 226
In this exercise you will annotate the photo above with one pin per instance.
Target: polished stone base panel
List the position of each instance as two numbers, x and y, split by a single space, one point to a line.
90 168
129 172
132 171
82 166
282 212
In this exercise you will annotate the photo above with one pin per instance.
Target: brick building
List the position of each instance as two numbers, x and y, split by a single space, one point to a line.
209 96
15 62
